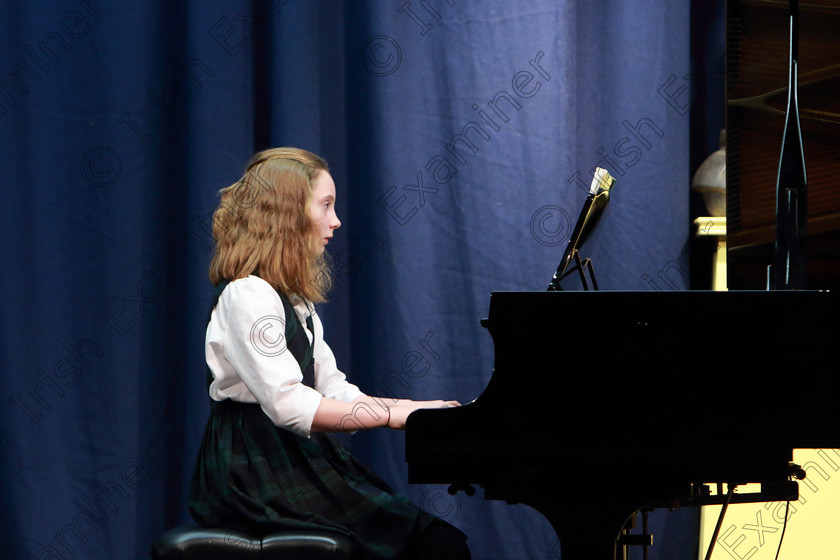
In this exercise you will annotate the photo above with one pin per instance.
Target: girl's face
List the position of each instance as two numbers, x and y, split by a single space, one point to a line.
322 210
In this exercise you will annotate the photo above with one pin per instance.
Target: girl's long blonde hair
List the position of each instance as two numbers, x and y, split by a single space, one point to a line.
262 225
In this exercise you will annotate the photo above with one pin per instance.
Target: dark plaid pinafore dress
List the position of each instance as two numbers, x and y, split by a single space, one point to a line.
255 477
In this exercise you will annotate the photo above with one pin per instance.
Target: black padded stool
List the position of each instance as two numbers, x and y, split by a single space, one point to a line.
200 543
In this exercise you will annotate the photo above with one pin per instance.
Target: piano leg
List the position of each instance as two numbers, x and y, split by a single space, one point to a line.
587 549
586 539
582 536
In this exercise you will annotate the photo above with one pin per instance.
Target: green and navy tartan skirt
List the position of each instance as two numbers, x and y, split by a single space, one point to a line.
255 477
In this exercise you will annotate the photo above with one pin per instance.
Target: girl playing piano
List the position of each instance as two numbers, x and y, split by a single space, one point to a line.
266 463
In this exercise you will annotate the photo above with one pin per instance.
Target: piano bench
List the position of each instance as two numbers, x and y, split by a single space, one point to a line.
201 543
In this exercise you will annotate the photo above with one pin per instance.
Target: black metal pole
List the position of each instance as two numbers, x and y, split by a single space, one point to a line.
788 270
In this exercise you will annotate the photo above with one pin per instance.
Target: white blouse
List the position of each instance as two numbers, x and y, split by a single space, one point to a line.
246 351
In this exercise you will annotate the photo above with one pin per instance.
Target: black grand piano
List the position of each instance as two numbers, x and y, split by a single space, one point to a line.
735 380
566 427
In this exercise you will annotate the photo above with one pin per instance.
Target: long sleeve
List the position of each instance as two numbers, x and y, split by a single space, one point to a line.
249 361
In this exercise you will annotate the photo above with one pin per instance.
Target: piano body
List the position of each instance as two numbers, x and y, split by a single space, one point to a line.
629 402
604 403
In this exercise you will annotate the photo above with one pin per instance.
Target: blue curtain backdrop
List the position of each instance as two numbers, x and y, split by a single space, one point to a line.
462 137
